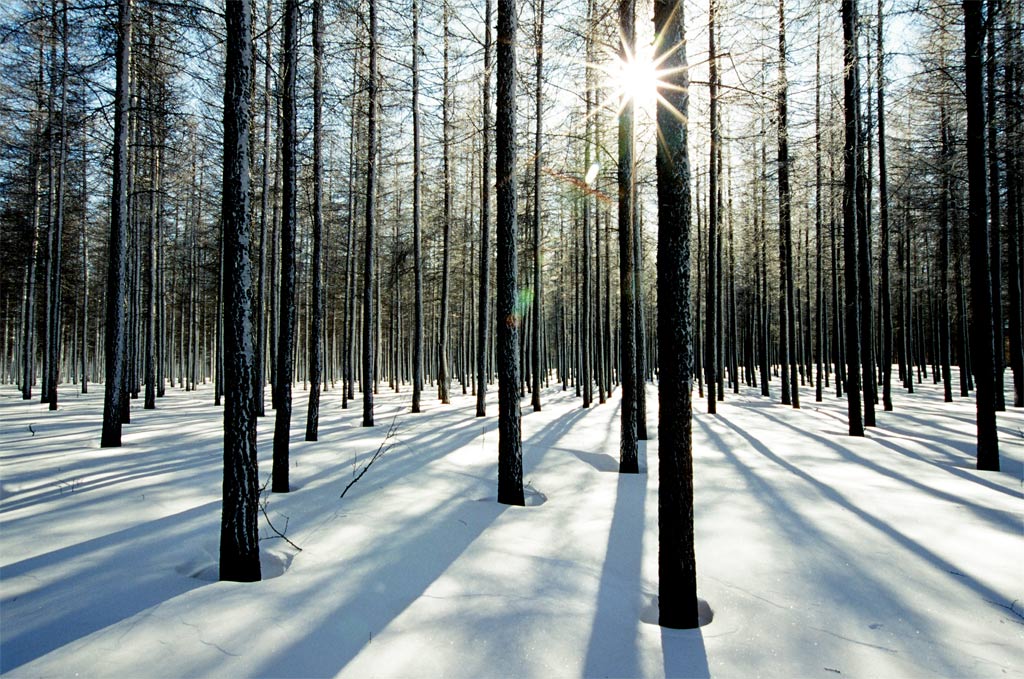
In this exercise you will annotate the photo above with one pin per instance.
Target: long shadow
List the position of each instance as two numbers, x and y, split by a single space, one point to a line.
1004 520
836 570
683 652
612 648
831 494
99 592
415 555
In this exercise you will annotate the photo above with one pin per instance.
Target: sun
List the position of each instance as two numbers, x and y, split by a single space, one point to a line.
635 77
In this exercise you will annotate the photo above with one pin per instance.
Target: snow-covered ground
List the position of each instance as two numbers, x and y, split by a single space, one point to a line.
821 555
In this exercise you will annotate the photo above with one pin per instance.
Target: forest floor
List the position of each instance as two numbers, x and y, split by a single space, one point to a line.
820 554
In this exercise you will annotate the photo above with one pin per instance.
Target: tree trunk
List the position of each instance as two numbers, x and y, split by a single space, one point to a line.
851 167
369 274
316 329
628 463
981 283
711 288
239 538
539 113
787 325
289 218
883 216
510 445
485 236
417 201
443 386
117 258
677 572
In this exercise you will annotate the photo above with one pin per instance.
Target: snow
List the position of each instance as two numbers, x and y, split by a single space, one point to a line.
818 554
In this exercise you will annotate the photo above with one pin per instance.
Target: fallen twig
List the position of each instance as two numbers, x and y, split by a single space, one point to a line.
383 448
270 524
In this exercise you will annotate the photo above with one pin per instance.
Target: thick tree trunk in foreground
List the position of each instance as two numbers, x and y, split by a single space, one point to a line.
982 346
239 539
677 571
316 329
114 401
510 444
851 166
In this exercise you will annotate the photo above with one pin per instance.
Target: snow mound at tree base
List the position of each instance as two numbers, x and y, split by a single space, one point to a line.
705 614
205 566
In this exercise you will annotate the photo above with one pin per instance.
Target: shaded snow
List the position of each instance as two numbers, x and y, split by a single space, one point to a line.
818 554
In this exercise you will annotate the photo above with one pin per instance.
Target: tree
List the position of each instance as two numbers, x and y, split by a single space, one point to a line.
851 167
714 220
628 462
114 401
982 337
535 352
677 571
510 444
371 214
417 207
239 539
443 386
289 218
883 218
316 329
485 220
787 312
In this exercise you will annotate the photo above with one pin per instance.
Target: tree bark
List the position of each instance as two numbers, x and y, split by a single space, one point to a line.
510 445
677 572
239 539
851 167
289 218
117 258
316 328
982 340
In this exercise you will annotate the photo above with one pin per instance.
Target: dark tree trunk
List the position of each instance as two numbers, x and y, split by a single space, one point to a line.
851 167
510 444
259 312
787 325
417 200
885 303
628 462
677 571
819 334
981 282
539 113
711 288
443 386
995 235
483 322
943 263
369 275
316 327
1012 137
114 402
286 305
239 539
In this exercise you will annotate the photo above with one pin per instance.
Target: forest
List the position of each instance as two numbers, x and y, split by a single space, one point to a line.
448 327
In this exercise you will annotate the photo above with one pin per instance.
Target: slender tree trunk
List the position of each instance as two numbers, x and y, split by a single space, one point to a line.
369 271
289 218
259 311
117 258
818 236
851 167
1013 143
787 326
417 201
485 236
316 329
239 539
995 227
443 379
711 288
982 341
510 445
628 462
883 216
539 113
943 264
